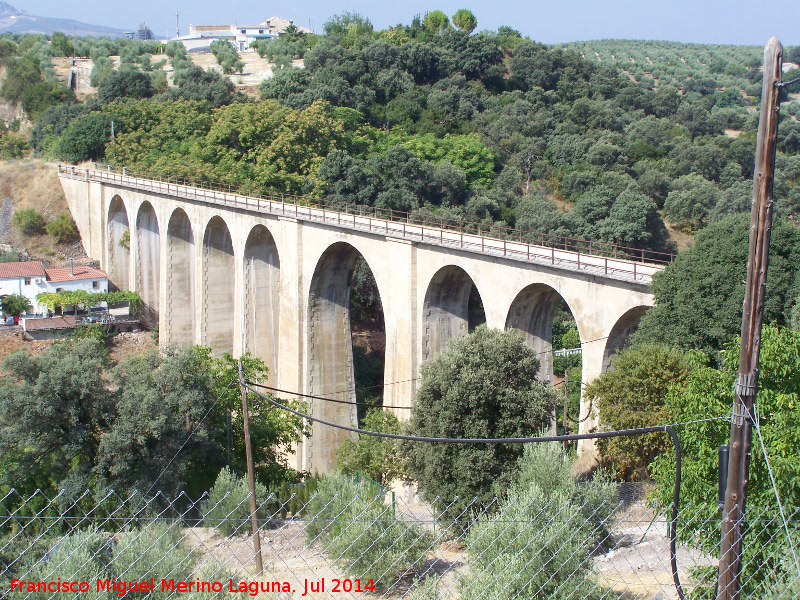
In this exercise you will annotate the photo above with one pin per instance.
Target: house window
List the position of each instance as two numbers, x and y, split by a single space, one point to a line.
260 31
95 284
27 281
244 30
58 290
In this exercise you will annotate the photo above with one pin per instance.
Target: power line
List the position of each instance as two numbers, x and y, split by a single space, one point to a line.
553 438
300 395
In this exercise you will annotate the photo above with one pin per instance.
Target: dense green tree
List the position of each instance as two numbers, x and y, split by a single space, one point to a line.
125 83
691 200
699 295
198 84
436 21
633 394
53 410
160 438
465 20
273 433
483 385
85 138
708 393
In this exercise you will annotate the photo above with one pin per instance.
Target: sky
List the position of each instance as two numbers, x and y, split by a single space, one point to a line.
699 21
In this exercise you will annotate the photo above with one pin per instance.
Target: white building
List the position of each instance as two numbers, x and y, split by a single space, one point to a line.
31 278
239 36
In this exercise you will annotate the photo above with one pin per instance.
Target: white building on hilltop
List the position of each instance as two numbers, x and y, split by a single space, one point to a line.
240 36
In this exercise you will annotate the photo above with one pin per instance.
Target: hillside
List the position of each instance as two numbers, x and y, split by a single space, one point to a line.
33 185
13 20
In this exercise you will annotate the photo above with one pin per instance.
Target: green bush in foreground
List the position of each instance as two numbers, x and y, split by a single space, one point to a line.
158 550
228 505
538 544
362 534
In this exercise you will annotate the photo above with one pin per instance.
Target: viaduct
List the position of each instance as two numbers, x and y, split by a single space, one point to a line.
241 273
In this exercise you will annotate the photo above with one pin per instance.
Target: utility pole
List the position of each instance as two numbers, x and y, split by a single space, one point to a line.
251 478
730 562
566 400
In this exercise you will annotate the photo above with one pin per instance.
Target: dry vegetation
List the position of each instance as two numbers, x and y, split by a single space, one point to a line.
33 184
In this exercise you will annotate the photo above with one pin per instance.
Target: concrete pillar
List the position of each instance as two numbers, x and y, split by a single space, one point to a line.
402 321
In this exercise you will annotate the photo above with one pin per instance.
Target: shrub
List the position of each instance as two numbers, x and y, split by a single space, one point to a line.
228 505
63 229
7 257
157 550
538 544
378 458
362 534
29 222
13 147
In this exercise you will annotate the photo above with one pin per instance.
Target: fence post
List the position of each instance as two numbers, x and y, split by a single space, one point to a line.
251 480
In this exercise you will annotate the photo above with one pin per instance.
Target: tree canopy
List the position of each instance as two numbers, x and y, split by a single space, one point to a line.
699 296
484 385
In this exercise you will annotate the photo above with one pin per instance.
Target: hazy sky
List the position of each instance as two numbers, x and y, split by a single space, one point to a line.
728 22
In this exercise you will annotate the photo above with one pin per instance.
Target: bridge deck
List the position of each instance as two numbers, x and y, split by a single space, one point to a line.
593 264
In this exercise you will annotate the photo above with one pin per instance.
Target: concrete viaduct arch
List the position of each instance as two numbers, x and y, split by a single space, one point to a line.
239 277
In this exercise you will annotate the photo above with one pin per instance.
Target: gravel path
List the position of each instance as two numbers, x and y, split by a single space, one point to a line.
6 212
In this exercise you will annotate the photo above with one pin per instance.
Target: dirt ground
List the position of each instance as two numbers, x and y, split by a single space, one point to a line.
637 567
121 347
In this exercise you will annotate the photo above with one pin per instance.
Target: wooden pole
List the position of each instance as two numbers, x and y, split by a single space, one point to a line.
730 563
251 478
566 400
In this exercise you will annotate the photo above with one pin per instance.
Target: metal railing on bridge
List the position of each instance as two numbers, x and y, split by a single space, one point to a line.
600 258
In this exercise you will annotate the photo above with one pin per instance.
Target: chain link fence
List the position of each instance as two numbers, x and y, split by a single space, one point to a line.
348 539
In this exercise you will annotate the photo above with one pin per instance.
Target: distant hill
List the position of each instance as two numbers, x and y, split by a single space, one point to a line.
14 20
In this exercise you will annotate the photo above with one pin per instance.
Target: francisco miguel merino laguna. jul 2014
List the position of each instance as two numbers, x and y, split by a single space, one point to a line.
252 588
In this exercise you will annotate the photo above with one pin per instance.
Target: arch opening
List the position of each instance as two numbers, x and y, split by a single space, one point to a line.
546 323
346 338
219 281
452 308
180 307
119 245
148 258
262 299
620 336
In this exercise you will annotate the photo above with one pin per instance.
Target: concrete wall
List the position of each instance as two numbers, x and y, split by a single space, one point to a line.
278 287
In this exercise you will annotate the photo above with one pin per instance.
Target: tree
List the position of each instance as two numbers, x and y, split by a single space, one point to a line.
378 458
53 409
465 20
707 393
125 83
436 21
85 138
483 385
699 295
273 433
14 305
633 394
161 438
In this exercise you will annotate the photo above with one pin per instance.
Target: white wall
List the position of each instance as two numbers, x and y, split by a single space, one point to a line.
17 285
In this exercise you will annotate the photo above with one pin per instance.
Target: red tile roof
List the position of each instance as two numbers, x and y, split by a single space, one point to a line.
81 273
31 268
